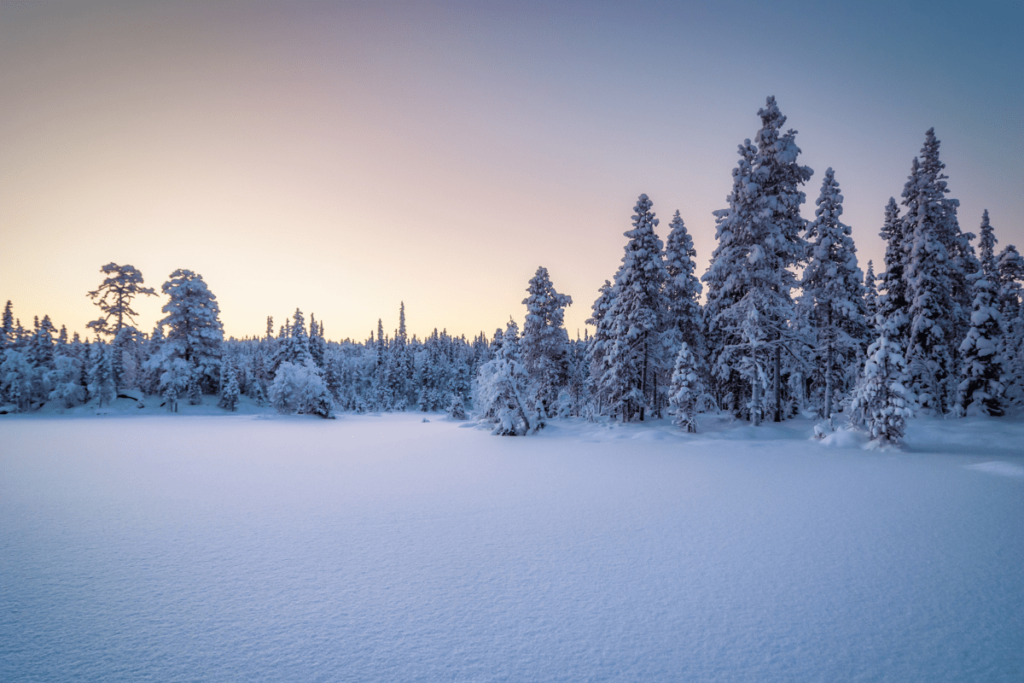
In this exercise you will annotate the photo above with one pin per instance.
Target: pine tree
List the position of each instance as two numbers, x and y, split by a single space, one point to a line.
101 374
7 331
894 302
194 330
687 391
987 246
229 386
16 379
933 277
457 409
544 345
870 295
598 346
682 288
114 297
1010 276
882 401
982 370
635 319
501 389
832 281
750 279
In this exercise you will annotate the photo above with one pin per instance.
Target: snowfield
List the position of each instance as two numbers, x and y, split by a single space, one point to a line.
384 548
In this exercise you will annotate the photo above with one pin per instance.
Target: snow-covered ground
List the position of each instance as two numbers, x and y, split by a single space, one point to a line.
384 548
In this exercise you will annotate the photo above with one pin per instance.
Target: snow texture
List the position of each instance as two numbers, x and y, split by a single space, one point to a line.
257 548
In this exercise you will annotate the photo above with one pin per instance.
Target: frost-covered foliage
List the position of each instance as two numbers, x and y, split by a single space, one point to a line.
457 408
229 391
750 279
686 394
987 249
882 401
1010 278
501 393
631 327
544 345
300 389
682 288
893 301
194 331
932 277
832 284
981 388
66 379
870 295
101 374
114 297
16 375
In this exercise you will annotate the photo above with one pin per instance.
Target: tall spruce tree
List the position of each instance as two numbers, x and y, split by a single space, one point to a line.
194 330
933 283
635 319
981 387
870 295
893 301
544 345
987 248
760 241
832 281
682 288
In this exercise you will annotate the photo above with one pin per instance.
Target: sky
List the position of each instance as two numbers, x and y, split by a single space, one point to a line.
344 157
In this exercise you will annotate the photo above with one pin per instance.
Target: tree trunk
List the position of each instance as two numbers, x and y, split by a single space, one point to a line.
777 389
755 394
643 379
828 381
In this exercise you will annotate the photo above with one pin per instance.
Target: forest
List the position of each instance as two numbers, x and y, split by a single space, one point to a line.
783 322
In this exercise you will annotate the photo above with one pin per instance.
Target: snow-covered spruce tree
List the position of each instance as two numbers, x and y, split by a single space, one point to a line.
882 401
67 381
457 408
750 280
1010 269
544 345
101 374
114 297
229 391
726 283
16 379
194 330
987 250
832 281
981 388
317 345
870 295
301 389
7 327
686 395
634 321
894 301
682 288
294 348
933 309
598 346
501 389
576 395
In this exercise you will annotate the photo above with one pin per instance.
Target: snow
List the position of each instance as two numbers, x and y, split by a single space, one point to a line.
249 547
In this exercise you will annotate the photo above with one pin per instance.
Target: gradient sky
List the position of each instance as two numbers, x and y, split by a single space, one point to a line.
344 157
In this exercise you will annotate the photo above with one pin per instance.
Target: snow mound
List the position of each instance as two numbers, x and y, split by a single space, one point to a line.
846 438
1002 469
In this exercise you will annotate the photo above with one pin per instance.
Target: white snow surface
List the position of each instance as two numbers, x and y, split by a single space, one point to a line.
388 548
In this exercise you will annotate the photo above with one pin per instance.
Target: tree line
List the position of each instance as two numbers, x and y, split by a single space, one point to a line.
790 324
